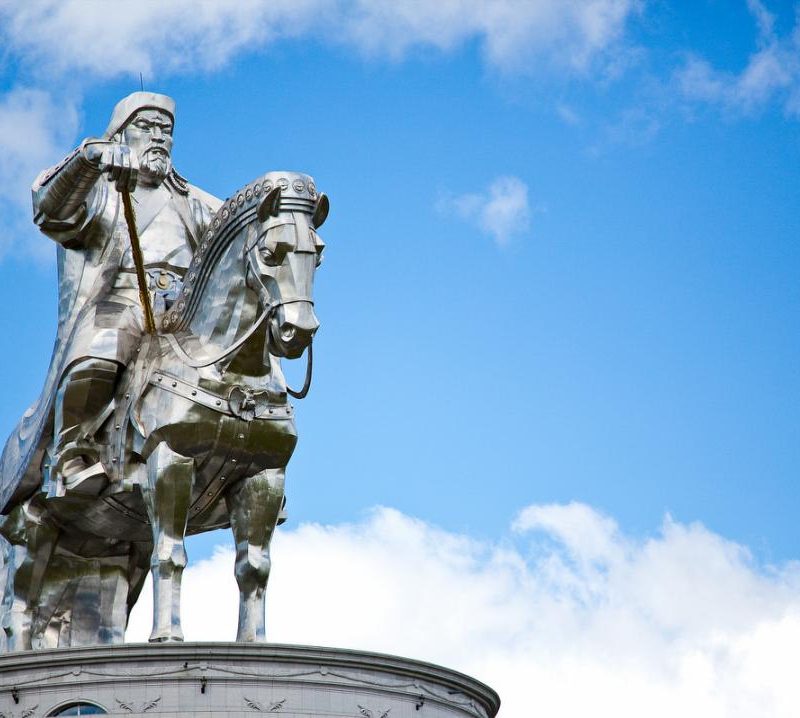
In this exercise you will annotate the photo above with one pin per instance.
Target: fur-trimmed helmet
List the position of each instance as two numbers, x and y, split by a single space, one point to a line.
130 105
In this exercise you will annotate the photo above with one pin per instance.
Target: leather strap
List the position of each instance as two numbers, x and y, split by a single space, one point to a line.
198 395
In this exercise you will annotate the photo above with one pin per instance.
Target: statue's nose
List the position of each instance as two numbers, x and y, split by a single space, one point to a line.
297 326
299 332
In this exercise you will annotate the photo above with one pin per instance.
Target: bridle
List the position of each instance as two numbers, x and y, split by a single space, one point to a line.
270 309
266 315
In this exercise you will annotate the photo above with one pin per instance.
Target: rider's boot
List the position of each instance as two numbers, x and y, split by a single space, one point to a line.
84 395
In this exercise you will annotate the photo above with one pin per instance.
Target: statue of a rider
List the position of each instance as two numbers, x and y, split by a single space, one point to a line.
78 204
92 493
51 455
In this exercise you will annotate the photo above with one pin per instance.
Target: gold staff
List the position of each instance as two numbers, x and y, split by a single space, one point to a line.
138 260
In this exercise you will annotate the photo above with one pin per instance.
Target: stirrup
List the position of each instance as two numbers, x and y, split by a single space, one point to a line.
86 475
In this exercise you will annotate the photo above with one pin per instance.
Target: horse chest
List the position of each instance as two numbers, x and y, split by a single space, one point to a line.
239 449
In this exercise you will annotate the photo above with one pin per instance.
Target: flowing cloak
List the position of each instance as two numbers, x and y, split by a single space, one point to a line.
91 247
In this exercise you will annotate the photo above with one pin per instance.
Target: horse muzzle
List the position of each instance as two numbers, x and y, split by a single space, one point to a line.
292 327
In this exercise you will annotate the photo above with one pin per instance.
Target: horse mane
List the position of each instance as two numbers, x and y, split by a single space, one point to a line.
236 212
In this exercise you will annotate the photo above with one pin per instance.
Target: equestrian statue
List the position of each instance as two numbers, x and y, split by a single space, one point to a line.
164 411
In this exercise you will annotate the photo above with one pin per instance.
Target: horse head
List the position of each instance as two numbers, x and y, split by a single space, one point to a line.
284 256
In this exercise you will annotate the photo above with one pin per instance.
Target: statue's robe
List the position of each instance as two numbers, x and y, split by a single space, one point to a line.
93 255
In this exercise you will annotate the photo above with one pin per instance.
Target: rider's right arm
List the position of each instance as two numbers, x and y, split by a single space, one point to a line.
68 196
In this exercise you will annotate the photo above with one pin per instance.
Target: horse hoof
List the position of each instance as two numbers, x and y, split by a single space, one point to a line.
166 639
251 638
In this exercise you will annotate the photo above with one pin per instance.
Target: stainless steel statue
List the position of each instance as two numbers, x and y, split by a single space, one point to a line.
165 411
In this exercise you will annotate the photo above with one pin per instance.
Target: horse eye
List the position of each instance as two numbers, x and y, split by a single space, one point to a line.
268 257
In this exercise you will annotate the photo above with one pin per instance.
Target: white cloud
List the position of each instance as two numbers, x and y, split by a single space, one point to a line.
570 33
149 36
81 41
501 211
565 616
772 72
87 36
35 129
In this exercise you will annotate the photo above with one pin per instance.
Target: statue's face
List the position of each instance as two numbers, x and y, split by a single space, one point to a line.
149 135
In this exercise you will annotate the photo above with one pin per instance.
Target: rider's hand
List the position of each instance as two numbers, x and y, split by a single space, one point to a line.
115 159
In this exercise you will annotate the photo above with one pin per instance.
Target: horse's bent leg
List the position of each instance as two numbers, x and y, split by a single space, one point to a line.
167 496
254 504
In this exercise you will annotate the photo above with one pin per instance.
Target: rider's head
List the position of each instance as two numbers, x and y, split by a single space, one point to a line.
144 122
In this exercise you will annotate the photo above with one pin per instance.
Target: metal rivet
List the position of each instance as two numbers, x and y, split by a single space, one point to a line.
233 461
174 383
209 493
222 478
194 392
116 428
272 411
218 402
160 378
113 459
127 396
241 436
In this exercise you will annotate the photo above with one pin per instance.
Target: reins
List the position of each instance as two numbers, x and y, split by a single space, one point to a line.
309 369
264 295
269 309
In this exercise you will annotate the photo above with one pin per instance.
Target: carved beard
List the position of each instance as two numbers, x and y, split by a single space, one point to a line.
155 165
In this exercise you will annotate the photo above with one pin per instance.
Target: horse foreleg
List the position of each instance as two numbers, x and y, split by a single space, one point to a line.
167 496
254 504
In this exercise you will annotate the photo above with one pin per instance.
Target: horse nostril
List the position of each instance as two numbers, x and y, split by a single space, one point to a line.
287 332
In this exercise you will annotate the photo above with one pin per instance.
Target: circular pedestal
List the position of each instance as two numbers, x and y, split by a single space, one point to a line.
233 680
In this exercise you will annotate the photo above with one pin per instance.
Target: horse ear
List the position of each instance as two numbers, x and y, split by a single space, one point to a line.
270 205
321 211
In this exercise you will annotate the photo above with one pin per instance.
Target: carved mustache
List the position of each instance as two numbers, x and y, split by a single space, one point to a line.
155 149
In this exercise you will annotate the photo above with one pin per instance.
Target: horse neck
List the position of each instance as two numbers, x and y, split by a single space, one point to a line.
252 364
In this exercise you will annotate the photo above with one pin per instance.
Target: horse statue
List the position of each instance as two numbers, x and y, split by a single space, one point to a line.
198 438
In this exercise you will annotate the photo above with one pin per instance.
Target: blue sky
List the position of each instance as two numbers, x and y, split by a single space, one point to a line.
562 259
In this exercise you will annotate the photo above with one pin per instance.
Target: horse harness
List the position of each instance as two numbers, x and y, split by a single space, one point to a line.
241 402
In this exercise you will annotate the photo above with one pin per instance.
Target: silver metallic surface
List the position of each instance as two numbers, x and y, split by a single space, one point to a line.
139 439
